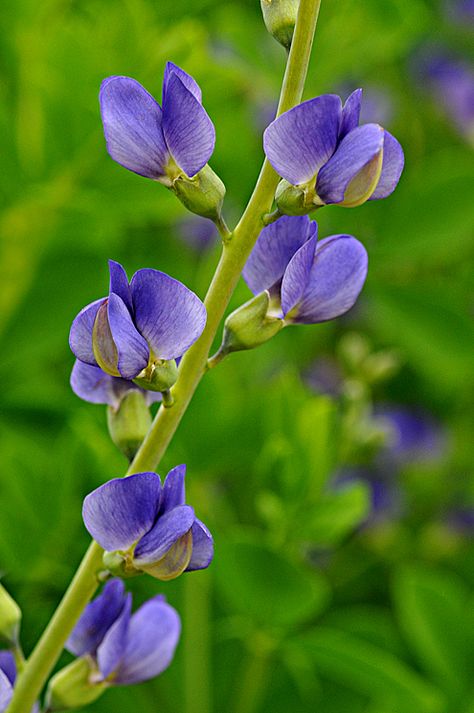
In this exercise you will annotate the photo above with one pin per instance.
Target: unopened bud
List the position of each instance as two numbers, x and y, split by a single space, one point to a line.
74 687
10 618
129 423
248 327
280 19
203 194
159 375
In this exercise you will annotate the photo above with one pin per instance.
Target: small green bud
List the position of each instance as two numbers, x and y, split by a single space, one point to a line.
74 687
203 194
280 19
129 423
297 200
159 375
10 618
248 327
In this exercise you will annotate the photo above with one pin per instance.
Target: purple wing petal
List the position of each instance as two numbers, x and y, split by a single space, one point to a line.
336 279
132 348
296 275
118 513
167 530
302 139
188 130
97 619
351 113
188 81
392 167
80 336
203 547
8 665
6 692
276 245
355 152
173 489
92 384
111 650
153 635
119 283
132 122
168 315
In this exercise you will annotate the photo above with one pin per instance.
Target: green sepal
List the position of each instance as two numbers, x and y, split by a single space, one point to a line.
297 200
280 18
129 423
10 618
74 687
120 565
160 375
248 327
203 194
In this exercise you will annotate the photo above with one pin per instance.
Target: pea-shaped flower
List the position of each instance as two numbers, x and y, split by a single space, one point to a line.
146 527
308 281
325 157
140 328
171 143
8 674
92 384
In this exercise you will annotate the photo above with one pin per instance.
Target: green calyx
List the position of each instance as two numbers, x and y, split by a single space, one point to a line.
159 375
202 194
10 618
74 686
280 18
297 200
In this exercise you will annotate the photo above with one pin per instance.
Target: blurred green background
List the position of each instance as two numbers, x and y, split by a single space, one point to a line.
319 598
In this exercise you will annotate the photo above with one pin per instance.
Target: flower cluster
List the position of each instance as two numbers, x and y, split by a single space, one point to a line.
319 147
147 527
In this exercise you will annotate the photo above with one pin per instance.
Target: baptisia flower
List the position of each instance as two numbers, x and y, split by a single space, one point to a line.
325 157
115 647
146 527
171 143
138 331
8 674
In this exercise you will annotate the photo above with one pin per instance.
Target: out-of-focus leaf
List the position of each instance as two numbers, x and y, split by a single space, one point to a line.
432 608
336 515
265 585
370 670
371 623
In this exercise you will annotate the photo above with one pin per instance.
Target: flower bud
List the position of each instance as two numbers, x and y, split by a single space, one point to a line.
10 618
280 19
248 327
203 194
296 200
74 687
129 422
159 375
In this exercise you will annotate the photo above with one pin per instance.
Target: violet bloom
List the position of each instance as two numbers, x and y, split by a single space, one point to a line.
8 674
153 141
451 83
92 384
144 526
308 281
125 648
319 147
140 328
412 436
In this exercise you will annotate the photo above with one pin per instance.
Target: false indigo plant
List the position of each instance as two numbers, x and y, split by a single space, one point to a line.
127 343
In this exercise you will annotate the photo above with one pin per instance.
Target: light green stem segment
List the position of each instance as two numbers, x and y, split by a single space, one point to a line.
193 365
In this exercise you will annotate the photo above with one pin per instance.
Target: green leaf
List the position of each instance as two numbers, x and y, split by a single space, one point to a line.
266 586
336 515
370 670
432 609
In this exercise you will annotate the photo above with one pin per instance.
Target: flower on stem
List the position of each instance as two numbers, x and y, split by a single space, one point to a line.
171 143
138 330
325 157
146 527
115 647
8 674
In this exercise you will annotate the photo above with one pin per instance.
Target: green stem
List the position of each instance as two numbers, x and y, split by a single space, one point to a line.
193 365
197 645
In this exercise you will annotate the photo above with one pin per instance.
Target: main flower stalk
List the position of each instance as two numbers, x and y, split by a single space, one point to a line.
236 250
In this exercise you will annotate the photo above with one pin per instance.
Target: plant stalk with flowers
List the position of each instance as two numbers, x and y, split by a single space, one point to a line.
127 344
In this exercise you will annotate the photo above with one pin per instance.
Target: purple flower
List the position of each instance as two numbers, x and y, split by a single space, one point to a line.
413 436
8 675
147 526
138 328
319 146
92 384
308 281
451 82
125 648
461 11
153 141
